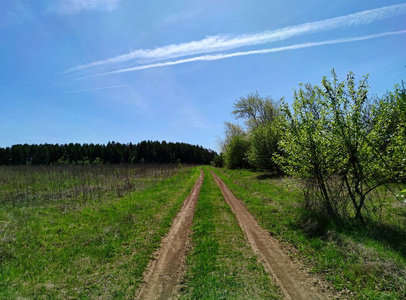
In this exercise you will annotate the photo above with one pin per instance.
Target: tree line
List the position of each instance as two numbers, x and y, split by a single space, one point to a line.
341 141
112 153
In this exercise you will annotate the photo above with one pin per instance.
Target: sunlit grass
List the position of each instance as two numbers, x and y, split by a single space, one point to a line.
369 260
87 248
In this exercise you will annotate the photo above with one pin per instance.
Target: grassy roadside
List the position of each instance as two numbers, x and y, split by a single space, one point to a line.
70 249
367 263
221 265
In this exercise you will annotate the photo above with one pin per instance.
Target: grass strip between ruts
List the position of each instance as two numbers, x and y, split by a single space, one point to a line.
221 264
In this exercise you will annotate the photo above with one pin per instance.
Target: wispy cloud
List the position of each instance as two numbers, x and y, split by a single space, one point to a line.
75 6
193 118
246 53
96 89
226 42
15 12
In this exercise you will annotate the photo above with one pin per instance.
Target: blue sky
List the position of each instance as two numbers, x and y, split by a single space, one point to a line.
93 71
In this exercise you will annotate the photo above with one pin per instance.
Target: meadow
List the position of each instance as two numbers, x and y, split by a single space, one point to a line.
84 232
89 232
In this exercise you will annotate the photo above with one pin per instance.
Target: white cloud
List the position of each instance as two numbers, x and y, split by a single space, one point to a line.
226 42
246 53
75 6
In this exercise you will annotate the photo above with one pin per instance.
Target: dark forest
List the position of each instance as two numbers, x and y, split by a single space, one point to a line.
112 153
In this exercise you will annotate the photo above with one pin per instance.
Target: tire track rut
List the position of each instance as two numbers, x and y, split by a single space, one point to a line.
165 271
292 280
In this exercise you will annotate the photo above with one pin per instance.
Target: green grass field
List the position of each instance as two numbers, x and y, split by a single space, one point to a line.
369 261
86 232
79 247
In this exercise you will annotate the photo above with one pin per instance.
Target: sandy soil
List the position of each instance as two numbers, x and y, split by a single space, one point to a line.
165 271
293 281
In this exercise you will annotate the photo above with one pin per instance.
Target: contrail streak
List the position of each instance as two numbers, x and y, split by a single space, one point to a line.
226 42
245 53
96 89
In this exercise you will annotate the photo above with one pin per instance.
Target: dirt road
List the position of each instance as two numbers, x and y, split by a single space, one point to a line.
293 282
165 271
